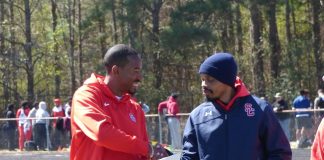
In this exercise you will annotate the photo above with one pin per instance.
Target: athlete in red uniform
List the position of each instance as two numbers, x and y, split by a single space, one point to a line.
24 126
106 122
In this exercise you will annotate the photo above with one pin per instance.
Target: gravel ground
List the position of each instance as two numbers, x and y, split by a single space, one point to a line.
298 154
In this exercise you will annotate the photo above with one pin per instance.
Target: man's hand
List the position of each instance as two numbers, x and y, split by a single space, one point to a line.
158 152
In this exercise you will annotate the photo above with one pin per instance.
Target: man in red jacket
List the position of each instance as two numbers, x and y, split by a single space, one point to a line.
173 121
106 123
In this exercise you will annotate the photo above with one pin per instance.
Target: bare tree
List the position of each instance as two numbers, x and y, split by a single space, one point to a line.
274 41
56 55
158 70
13 51
315 4
71 24
257 50
4 56
29 66
80 43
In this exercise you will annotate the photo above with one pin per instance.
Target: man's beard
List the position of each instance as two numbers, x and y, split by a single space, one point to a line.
209 99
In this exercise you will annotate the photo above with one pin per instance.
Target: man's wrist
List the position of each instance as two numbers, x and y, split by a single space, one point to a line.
151 151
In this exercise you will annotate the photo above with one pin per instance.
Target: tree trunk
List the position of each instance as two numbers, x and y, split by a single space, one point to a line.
274 40
157 68
13 51
56 55
239 34
4 57
316 40
28 49
102 31
293 19
257 51
287 15
80 44
71 23
113 11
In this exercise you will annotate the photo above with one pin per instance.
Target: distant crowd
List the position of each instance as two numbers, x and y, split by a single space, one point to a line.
306 122
37 127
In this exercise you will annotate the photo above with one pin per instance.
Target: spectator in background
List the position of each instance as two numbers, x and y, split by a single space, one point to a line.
145 107
67 106
58 124
24 128
67 124
162 111
284 118
303 119
10 127
32 114
319 100
162 108
319 104
173 121
41 126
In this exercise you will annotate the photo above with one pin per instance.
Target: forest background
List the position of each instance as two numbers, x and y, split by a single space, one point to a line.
49 47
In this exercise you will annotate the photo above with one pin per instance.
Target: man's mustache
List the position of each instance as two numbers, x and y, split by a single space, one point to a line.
205 88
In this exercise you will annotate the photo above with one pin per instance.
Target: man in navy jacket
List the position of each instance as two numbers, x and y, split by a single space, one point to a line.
231 124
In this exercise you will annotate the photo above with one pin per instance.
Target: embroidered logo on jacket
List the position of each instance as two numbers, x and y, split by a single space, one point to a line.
106 104
249 110
132 117
208 113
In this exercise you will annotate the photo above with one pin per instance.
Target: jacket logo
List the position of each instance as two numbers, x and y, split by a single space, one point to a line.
132 117
249 110
106 104
208 113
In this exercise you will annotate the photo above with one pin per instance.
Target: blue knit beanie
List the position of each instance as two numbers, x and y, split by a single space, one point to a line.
221 66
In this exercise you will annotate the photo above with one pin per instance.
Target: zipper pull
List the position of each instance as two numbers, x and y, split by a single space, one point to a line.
225 116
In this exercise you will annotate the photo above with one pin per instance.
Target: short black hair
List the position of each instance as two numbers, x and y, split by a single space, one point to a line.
24 104
10 107
303 92
118 55
174 95
35 105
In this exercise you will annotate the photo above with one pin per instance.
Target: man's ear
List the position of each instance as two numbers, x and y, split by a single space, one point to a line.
114 70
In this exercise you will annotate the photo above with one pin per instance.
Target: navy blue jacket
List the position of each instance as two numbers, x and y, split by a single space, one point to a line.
249 130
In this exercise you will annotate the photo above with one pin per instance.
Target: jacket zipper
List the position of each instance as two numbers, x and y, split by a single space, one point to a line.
226 136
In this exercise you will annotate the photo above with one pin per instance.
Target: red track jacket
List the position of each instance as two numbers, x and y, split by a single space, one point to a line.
318 144
104 127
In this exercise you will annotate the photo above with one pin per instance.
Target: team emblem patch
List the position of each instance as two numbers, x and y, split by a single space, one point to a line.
132 117
250 111
208 113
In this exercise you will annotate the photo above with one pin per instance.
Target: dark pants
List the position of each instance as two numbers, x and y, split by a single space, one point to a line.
40 135
10 133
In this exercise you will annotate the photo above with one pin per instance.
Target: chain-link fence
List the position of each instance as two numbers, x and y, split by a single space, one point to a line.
157 128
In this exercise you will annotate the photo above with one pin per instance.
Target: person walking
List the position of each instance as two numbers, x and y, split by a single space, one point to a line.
106 123
232 124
